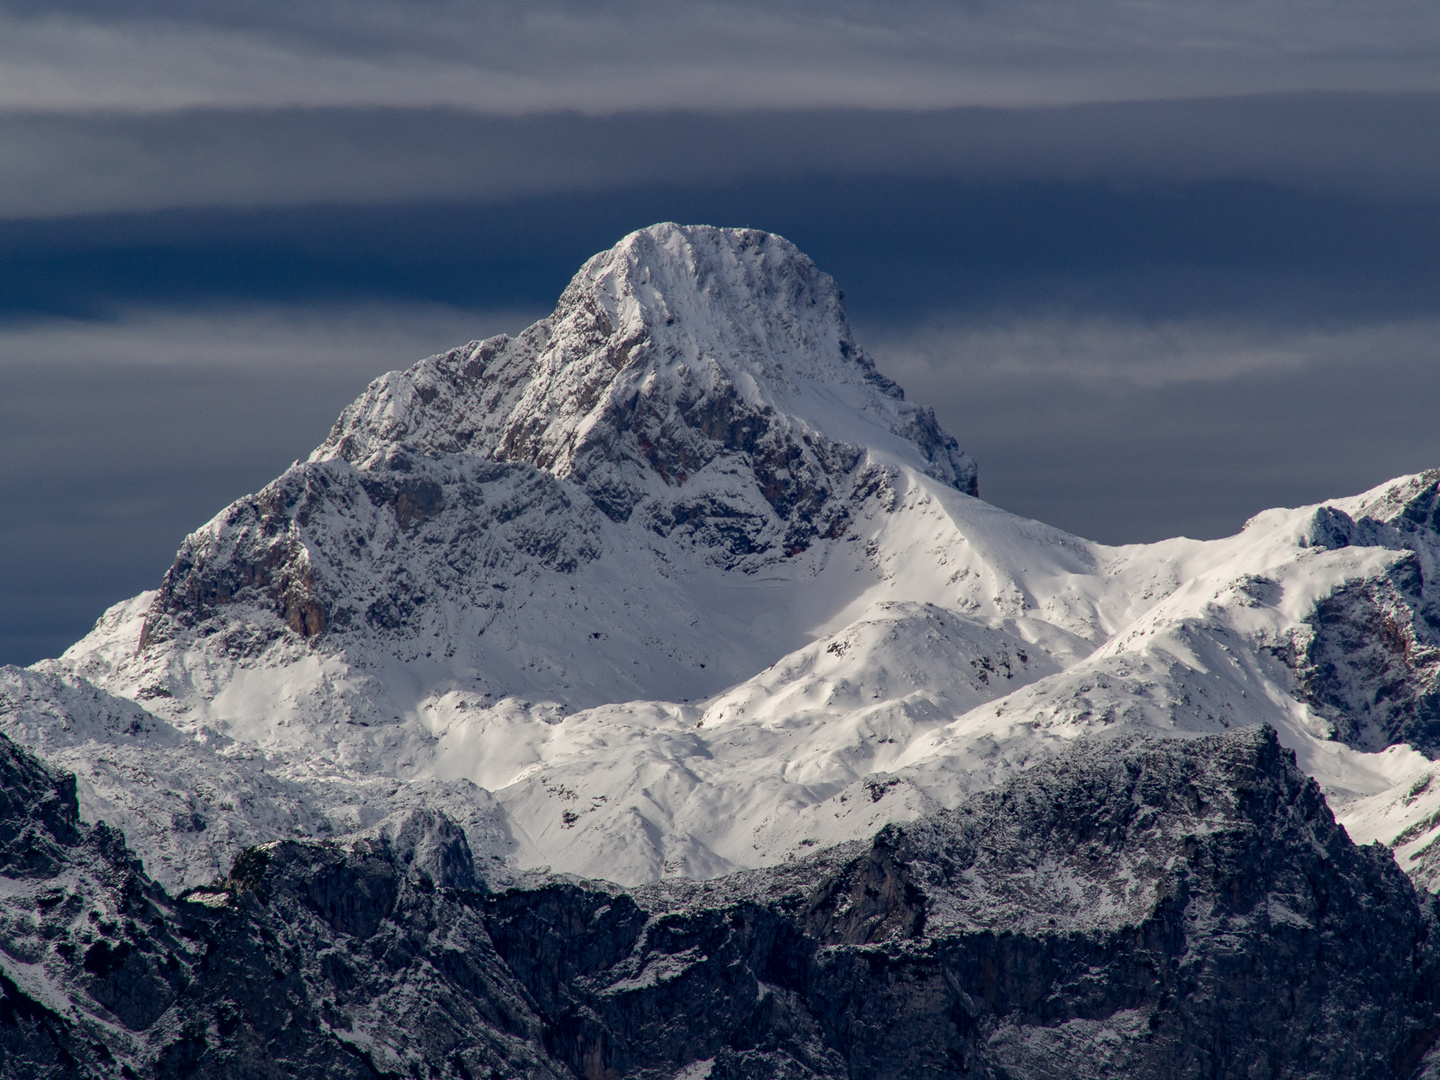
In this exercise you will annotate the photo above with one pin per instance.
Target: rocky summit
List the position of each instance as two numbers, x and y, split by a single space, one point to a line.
652 694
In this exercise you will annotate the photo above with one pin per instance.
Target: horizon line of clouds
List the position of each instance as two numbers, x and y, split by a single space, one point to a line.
258 337
1142 354
603 58
1131 352
61 165
1131 431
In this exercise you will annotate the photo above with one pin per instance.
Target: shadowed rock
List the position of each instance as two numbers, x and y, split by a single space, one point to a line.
1132 908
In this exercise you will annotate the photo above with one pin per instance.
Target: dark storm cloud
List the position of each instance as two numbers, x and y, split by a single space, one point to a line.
65 164
902 247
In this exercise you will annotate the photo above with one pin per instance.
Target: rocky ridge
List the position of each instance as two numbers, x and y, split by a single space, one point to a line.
1133 907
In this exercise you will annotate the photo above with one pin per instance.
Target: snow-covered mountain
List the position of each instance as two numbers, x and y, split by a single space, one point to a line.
675 583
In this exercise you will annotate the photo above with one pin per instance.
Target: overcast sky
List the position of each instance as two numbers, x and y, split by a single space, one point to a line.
601 57
1157 265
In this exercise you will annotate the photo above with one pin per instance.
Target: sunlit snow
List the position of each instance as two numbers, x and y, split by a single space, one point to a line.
554 639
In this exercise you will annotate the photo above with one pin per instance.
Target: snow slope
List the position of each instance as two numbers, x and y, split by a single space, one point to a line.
675 582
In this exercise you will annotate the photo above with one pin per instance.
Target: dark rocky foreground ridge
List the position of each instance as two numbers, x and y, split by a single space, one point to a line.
1133 908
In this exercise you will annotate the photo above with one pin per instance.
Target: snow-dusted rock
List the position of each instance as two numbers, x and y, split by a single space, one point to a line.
1145 908
189 805
703 379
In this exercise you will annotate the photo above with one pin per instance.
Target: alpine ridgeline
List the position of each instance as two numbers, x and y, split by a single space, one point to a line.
1137 908
674 589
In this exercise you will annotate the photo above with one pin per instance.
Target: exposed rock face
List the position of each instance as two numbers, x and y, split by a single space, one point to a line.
310 960
328 547
1371 662
1141 909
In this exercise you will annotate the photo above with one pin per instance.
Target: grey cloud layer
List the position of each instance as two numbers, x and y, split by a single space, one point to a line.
1129 430
61 164
604 57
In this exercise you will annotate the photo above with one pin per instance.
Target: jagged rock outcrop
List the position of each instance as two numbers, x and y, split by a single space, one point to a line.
1370 662
310 960
380 551
1136 908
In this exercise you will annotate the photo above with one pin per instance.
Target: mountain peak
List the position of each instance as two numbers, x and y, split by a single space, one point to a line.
688 374
749 301
696 393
